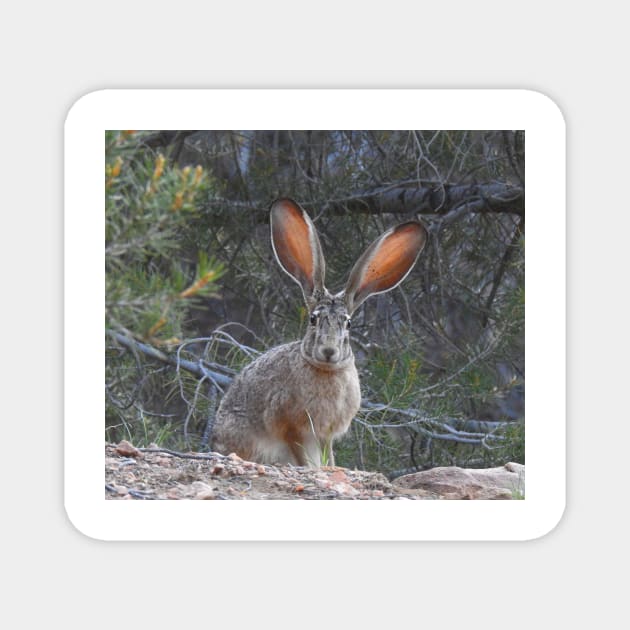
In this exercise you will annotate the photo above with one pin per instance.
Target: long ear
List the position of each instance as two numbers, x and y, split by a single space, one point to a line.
296 246
385 263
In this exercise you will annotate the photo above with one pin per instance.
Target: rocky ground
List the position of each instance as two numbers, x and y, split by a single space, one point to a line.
155 473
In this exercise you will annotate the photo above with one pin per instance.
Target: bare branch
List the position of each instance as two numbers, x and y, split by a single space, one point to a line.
198 369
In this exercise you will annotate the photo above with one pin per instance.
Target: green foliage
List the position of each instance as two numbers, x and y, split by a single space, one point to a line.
151 280
396 377
148 206
514 450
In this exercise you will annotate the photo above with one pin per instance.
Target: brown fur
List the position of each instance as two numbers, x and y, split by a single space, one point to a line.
291 403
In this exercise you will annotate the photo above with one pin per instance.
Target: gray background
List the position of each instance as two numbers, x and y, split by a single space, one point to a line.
53 53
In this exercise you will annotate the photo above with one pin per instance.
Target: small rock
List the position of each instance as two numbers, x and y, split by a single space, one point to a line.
126 449
338 476
322 482
203 491
345 489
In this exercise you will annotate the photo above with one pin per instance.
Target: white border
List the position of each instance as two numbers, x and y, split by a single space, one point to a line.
314 520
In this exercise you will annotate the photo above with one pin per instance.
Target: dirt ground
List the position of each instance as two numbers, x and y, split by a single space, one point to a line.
156 473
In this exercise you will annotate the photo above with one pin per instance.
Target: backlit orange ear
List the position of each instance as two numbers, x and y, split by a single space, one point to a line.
296 245
386 262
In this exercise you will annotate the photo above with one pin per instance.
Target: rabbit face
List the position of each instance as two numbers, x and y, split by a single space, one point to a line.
326 344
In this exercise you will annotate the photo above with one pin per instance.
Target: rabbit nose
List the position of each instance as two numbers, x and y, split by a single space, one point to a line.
328 353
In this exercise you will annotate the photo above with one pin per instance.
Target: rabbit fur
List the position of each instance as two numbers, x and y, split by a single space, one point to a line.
291 403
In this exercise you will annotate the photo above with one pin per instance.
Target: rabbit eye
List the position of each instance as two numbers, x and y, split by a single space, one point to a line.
348 322
314 316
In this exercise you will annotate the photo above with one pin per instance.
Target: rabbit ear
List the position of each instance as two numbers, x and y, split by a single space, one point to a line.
385 263
296 246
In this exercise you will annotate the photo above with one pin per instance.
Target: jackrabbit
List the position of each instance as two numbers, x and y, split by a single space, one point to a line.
292 402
